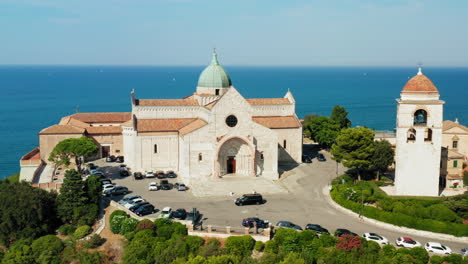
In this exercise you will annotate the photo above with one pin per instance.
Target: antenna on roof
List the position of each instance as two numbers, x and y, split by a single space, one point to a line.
420 64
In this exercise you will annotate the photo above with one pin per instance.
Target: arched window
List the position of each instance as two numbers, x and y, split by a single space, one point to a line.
200 157
155 148
411 135
428 134
420 118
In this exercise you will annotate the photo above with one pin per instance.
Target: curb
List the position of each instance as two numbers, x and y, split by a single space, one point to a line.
388 226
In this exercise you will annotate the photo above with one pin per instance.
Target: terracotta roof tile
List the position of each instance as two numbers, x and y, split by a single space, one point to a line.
167 102
448 124
102 117
62 129
277 121
268 101
198 123
420 83
157 125
104 130
211 105
34 154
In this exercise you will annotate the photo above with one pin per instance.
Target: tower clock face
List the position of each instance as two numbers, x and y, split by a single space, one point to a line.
231 121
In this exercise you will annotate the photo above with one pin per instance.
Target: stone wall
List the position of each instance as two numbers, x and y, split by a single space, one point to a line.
48 142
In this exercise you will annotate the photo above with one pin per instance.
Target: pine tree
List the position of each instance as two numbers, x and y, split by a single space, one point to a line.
72 195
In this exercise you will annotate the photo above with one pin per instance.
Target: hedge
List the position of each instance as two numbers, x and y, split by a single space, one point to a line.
82 231
400 219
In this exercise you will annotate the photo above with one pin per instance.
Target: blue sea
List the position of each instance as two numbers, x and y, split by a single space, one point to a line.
35 97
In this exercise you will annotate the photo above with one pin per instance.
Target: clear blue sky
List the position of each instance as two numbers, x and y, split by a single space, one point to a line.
245 32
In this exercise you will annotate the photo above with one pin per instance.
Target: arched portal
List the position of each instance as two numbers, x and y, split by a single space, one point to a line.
235 156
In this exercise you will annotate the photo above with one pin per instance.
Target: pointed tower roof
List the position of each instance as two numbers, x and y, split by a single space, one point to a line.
420 84
214 76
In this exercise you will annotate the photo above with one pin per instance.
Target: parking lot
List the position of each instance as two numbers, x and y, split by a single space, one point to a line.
303 203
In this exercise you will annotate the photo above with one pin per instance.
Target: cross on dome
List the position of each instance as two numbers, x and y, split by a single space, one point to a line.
420 68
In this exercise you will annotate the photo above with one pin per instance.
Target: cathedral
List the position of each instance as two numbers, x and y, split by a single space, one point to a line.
209 134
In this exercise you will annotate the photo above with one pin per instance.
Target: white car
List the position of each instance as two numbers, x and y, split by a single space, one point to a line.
107 187
437 248
376 238
133 202
94 171
149 174
153 186
166 212
407 242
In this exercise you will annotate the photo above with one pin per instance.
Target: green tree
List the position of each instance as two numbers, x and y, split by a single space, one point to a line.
73 148
72 196
47 249
93 189
340 115
306 124
382 157
354 148
19 253
25 212
324 131
240 245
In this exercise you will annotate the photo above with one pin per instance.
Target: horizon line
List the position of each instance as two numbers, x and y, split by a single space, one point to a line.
227 65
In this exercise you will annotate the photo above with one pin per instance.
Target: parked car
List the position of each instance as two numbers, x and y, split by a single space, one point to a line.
376 238
100 174
166 212
92 166
153 186
341 231
133 202
136 206
149 174
118 190
317 229
193 216
437 248
287 224
464 252
129 198
250 222
138 175
110 158
180 187
119 159
106 181
306 159
180 214
247 199
407 242
171 174
165 185
107 187
321 157
145 210
160 175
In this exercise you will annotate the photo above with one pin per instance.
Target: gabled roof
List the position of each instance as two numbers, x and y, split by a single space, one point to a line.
102 117
167 102
62 129
455 155
182 125
277 121
268 101
448 124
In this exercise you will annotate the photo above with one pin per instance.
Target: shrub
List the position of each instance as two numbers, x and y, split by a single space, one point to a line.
211 248
94 241
144 224
348 243
436 259
240 245
259 246
47 249
128 225
117 212
116 223
82 231
66 230
194 243
420 254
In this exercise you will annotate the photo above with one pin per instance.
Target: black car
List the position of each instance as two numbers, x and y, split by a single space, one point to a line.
250 222
321 157
306 159
287 224
171 174
180 214
138 175
119 159
110 158
340 231
193 216
165 185
160 175
124 173
137 205
317 229
247 199
118 190
145 209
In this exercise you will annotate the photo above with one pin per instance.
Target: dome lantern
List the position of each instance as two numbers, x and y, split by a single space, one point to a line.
214 76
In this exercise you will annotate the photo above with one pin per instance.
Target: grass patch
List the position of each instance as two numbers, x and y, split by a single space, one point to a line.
13 178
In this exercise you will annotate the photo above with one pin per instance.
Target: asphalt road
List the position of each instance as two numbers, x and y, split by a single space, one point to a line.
305 203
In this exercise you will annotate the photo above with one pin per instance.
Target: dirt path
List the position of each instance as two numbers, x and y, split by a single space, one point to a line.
114 245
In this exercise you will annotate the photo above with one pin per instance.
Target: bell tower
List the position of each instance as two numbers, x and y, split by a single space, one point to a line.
418 138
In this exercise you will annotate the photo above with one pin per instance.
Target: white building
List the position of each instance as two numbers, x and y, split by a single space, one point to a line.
213 132
418 138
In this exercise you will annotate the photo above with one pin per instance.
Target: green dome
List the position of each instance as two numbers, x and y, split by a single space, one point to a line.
214 76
